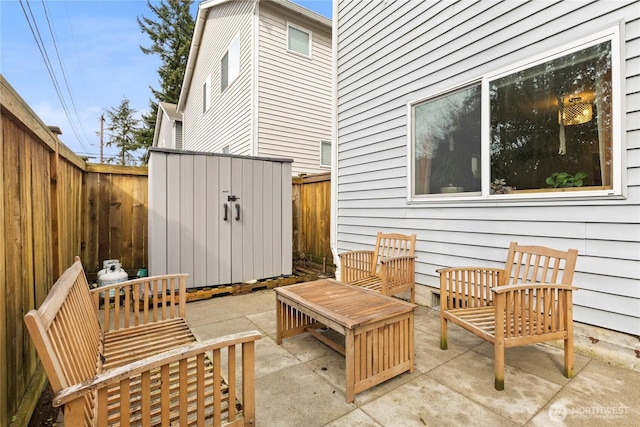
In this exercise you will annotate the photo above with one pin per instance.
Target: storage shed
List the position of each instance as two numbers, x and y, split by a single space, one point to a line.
221 218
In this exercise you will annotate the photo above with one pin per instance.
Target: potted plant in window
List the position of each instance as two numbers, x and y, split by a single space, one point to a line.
499 186
565 179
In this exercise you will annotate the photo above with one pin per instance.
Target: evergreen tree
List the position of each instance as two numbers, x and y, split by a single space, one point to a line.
122 129
170 32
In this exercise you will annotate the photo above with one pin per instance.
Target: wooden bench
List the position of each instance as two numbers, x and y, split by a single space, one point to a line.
389 268
529 301
136 361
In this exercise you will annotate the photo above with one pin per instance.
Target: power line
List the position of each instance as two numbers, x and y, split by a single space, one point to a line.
64 74
35 31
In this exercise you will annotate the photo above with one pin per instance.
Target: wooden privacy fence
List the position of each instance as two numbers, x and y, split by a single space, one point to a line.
312 218
53 207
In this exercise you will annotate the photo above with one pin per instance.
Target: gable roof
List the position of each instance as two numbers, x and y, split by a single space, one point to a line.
165 109
201 17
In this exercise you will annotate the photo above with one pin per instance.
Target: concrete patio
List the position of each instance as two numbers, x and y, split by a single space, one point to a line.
301 382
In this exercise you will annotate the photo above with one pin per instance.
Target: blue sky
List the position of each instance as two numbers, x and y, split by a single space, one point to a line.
97 42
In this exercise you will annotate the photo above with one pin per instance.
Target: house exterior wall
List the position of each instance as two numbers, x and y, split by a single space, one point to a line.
228 121
165 133
294 92
394 53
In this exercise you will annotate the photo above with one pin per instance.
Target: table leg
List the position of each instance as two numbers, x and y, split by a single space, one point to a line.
279 321
350 365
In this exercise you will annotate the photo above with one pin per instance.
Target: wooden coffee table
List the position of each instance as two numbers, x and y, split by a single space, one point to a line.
378 329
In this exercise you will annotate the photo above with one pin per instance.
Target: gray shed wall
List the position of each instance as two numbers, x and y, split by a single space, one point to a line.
187 229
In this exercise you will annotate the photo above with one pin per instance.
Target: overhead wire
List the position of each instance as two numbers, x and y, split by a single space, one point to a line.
64 74
35 31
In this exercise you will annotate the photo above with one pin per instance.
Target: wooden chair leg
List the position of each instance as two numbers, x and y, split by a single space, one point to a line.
443 333
499 363
413 294
568 358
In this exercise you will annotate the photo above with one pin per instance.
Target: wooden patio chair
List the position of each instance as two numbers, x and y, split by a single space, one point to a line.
389 268
528 301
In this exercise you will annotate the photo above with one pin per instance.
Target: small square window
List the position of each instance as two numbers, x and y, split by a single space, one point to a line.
298 40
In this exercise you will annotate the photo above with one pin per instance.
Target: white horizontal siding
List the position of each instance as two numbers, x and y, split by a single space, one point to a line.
294 92
165 133
390 53
228 121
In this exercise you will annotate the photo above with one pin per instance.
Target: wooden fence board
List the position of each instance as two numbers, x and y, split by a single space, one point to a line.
104 216
13 247
90 243
311 218
3 261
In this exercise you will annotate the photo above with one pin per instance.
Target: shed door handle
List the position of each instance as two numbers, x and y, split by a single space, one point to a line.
237 211
226 208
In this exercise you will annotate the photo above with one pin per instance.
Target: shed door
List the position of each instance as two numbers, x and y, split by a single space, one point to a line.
250 236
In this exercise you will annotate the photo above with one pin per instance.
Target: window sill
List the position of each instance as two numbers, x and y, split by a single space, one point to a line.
562 190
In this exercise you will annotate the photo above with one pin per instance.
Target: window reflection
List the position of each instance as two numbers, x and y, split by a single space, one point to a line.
551 123
446 138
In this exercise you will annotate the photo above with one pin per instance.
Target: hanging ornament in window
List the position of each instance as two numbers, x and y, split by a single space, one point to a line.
573 111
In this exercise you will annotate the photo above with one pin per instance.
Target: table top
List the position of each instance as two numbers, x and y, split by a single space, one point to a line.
349 305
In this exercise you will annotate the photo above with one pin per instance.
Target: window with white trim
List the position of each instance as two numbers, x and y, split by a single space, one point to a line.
230 64
549 127
446 142
325 153
206 94
298 40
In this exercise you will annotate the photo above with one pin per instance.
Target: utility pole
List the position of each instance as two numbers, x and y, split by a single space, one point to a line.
101 137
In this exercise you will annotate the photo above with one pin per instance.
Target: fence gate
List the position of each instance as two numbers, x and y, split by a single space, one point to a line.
223 219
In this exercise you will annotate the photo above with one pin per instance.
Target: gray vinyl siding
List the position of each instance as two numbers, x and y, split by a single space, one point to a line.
294 92
228 121
392 53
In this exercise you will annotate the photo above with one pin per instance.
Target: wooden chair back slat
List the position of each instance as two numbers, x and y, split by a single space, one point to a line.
538 264
390 245
69 335
153 299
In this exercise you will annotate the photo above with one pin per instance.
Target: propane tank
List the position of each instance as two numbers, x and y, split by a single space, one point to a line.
111 272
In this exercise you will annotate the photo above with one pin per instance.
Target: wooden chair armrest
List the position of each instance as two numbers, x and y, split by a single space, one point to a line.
445 270
398 268
510 288
532 309
397 273
356 254
463 287
114 376
396 259
356 265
